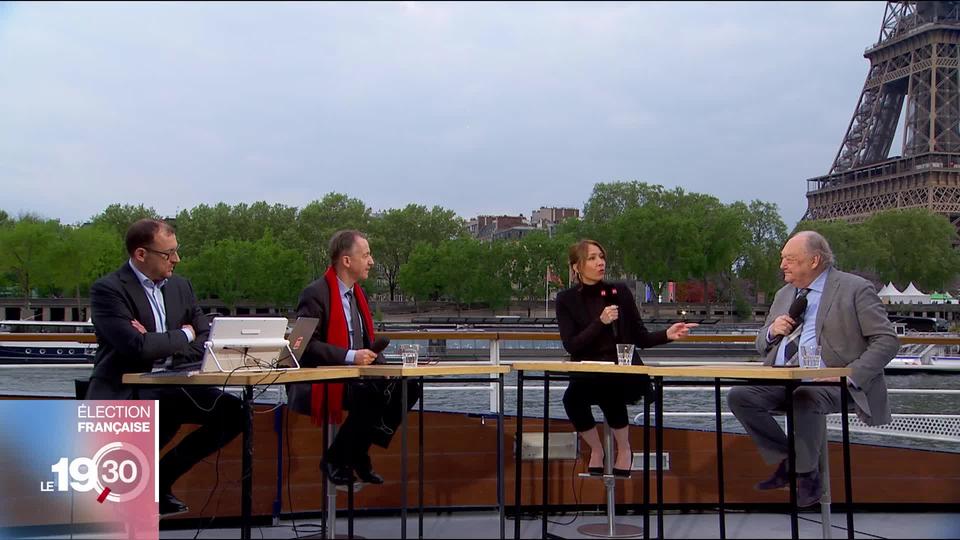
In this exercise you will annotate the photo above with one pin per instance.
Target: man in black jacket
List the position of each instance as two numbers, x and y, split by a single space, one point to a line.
146 317
345 336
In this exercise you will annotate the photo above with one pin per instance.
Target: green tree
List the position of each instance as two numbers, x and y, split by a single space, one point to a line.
395 233
320 219
28 249
260 271
527 261
5 219
119 217
84 254
917 245
420 276
854 247
759 262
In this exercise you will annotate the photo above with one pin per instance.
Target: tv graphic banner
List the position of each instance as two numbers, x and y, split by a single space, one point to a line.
78 466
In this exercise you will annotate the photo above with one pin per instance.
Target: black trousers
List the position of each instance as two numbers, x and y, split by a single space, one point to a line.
219 415
611 393
375 413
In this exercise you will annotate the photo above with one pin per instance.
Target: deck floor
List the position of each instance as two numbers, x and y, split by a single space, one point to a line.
695 525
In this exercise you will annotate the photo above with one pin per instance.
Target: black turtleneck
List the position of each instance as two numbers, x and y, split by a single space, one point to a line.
585 337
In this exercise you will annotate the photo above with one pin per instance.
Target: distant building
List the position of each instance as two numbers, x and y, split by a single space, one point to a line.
486 227
513 233
548 218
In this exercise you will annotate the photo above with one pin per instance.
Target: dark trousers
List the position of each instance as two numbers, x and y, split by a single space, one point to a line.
219 415
610 392
375 413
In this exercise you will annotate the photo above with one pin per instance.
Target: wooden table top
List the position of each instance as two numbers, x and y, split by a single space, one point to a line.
443 368
757 371
327 373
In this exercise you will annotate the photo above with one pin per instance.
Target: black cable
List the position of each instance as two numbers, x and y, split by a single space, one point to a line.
818 522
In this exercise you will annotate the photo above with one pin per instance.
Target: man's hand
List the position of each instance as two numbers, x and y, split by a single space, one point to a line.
827 379
364 357
782 326
138 327
680 330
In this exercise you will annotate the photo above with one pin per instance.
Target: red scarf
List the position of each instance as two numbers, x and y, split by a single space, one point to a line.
338 335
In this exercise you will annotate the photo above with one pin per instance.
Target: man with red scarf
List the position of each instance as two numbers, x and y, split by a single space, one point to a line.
343 337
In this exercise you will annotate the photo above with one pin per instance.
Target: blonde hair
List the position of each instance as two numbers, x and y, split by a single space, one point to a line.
578 254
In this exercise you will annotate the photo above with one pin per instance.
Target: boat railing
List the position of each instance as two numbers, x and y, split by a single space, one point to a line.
918 426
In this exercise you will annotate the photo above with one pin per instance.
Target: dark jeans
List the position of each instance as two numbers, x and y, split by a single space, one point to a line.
375 414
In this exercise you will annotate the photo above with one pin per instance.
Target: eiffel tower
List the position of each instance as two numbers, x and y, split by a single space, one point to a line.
915 61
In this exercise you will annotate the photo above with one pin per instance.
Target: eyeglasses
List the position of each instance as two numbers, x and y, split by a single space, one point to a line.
165 254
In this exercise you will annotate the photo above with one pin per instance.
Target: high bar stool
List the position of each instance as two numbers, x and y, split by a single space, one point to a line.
610 529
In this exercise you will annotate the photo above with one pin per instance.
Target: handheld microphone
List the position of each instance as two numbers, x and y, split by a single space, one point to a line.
380 344
795 312
610 299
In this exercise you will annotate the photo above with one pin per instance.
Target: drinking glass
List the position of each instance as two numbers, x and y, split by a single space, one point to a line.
810 356
409 354
624 354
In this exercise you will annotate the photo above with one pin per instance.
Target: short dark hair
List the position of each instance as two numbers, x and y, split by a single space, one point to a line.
143 232
342 242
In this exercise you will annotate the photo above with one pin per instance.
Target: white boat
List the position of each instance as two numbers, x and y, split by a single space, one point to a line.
67 351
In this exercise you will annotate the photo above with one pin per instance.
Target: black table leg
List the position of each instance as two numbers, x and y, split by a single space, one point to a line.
546 451
646 466
403 459
719 427
659 432
517 463
847 474
246 498
792 461
500 465
420 464
323 474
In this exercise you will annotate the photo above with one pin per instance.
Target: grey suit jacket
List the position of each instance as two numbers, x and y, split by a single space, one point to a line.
853 331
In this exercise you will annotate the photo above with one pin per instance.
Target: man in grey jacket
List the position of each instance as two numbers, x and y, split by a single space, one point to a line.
845 317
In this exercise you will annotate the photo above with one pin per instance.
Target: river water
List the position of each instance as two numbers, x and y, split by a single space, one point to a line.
453 397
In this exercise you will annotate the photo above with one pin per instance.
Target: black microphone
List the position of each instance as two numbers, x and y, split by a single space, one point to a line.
380 344
795 312
610 299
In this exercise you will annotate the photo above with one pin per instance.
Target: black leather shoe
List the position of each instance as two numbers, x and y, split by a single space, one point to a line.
779 479
595 471
171 506
340 475
621 473
368 476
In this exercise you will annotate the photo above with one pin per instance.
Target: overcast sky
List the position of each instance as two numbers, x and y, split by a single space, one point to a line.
481 108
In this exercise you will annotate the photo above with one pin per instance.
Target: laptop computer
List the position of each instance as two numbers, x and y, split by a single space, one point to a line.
250 344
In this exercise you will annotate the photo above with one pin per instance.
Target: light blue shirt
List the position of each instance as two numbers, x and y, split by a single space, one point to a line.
345 302
808 335
154 292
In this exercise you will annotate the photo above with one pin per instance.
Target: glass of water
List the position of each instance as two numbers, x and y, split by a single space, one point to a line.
810 356
410 354
624 354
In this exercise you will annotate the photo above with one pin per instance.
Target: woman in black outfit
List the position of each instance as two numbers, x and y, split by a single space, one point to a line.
594 316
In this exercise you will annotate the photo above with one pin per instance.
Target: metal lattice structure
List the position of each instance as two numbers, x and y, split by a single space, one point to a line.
914 71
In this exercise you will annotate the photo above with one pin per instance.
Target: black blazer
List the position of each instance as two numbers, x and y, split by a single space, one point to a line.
580 331
315 302
118 298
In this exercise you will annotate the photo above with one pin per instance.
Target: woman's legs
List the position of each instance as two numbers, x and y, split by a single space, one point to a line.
624 453
592 439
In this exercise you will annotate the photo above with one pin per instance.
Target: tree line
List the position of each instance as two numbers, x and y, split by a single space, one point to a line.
266 253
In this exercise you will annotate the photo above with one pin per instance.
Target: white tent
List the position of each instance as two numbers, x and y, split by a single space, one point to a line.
911 295
889 294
